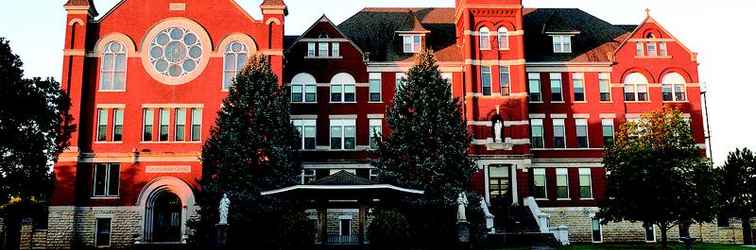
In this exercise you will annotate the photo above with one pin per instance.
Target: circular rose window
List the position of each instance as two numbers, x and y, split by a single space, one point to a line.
175 52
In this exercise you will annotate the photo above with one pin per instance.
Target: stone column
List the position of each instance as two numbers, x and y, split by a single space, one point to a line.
323 219
362 218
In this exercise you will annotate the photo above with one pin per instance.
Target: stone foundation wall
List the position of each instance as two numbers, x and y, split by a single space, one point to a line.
73 227
578 220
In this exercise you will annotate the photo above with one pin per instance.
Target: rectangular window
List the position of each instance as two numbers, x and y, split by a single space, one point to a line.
308 175
373 174
400 79
306 130
375 87
534 87
106 178
651 47
485 79
639 50
196 124
584 177
596 236
343 134
605 87
335 50
562 184
349 92
337 91
607 128
376 131
539 183
559 141
164 118
102 124
581 132
650 232
556 87
147 119
310 92
504 80
117 124
322 49
297 92
180 124
411 44
102 234
310 49
536 137
578 83
663 49
562 44
498 182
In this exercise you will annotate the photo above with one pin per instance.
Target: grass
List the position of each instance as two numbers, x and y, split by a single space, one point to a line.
636 246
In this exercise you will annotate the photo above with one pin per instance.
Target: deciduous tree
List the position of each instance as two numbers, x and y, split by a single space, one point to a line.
738 189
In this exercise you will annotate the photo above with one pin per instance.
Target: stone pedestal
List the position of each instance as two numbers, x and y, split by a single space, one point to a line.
221 235
463 235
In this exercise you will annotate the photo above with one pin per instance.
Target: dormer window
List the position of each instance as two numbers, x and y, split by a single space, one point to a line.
562 43
485 38
412 43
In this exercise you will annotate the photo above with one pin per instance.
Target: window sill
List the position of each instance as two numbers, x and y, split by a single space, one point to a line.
607 102
323 57
580 102
315 102
542 199
343 102
564 199
558 102
586 199
675 101
538 102
640 102
504 49
108 142
653 57
171 142
111 91
104 197
377 102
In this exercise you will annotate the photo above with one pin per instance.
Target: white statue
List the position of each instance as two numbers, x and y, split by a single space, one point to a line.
461 204
497 131
223 210
489 216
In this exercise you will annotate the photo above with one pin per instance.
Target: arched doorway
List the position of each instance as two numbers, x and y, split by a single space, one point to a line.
166 218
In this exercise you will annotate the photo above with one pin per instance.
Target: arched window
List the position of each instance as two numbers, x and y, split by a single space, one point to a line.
485 38
113 68
342 88
503 36
234 60
636 88
673 88
303 88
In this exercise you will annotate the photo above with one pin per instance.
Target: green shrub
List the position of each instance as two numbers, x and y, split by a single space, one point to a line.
389 230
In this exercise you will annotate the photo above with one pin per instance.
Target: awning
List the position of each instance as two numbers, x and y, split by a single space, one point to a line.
343 185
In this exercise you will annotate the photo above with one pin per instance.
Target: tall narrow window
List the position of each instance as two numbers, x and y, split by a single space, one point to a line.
147 119
113 68
117 124
310 49
586 185
335 50
485 79
103 231
562 44
607 128
411 44
605 88
534 87
536 133
102 124
322 49
498 182
651 48
539 183
503 38
342 88
400 79
673 88
376 131
343 134
639 50
303 88
234 60
636 88
485 38
106 178
556 87
562 184
578 83
559 141
375 87
306 130
196 124
504 80
180 124
164 119
596 236
663 49
581 131
650 232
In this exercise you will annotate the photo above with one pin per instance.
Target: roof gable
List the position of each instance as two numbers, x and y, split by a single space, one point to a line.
650 25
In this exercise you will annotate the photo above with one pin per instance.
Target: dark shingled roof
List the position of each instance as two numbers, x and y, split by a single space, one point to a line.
342 178
289 41
374 31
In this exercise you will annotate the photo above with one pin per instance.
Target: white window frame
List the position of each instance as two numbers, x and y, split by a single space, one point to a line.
485 73
640 49
165 120
541 172
505 81
582 123
674 80
303 81
96 231
533 124
111 72
562 43
179 119
607 122
484 43
400 81
148 119
412 43
558 123
335 49
605 79
343 124
375 77
237 68
555 80
645 238
562 172
196 121
503 37
323 49
585 172
535 78
578 79
600 229
651 49
117 121
375 125
663 49
311 50
343 80
308 173
302 126
636 80
106 189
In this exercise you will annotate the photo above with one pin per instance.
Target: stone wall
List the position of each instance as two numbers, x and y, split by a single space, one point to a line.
578 220
72 227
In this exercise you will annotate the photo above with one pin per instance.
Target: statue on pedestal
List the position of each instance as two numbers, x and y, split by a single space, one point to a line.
223 210
488 215
461 204
497 131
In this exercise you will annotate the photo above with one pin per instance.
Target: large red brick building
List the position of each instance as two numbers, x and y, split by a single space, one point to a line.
542 91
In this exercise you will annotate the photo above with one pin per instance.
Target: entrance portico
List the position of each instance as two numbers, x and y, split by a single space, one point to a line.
341 192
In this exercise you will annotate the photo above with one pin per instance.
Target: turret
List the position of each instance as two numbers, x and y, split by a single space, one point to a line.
274 13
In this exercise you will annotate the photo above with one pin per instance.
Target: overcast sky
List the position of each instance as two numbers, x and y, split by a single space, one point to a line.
721 31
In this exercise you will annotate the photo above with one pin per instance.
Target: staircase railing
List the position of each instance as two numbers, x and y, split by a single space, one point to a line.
541 218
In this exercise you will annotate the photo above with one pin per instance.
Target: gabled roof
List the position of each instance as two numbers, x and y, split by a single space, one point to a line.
414 24
650 19
83 3
289 41
342 178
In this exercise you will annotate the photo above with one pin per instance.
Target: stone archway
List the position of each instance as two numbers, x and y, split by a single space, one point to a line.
166 203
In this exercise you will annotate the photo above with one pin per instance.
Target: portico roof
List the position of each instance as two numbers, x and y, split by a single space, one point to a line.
342 184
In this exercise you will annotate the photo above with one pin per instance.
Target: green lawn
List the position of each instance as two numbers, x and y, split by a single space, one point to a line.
634 246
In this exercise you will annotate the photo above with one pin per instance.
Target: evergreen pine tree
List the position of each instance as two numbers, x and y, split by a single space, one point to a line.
252 148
